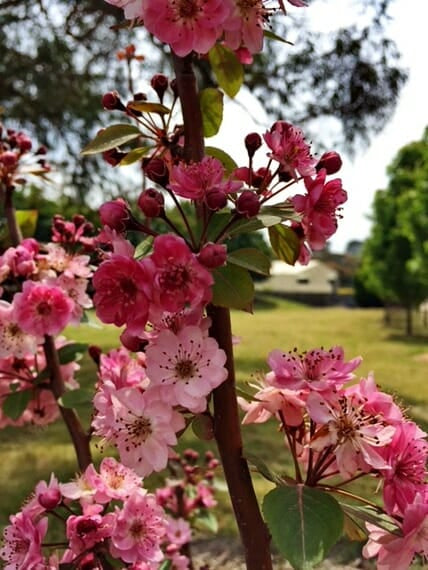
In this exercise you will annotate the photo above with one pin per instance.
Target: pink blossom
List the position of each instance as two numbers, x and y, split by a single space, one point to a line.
318 208
142 429
196 179
133 8
269 401
289 148
13 340
178 531
20 260
87 530
76 290
83 487
118 368
355 435
178 277
397 552
377 402
46 497
245 26
115 481
58 259
139 529
188 365
22 542
187 25
317 369
42 309
406 457
121 287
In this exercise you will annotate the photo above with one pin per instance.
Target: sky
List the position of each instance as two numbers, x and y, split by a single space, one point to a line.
366 172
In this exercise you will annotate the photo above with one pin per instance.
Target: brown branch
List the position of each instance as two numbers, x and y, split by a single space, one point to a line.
253 531
78 436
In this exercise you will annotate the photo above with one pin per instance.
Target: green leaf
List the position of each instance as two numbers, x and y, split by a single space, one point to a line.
71 352
285 243
353 529
211 101
166 565
148 107
371 515
27 221
251 259
134 155
227 161
271 36
74 398
284 211
143 248
14 404
203 427
206 520
227 69
111 137
245 226
233 287
304 522
263 469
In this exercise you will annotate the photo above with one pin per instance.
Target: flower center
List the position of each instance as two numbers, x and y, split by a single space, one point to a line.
187 8
185 369
174 277
137 529
128 287
140 429
44 309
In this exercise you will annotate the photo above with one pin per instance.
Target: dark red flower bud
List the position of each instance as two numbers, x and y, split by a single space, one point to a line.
174 87
215 199
159 83
115 214
42 150
151 203
113 156
284 176
209 455
248 204
78 220
95 353
157 170
111 101
213 255
253 141
331 161
50 499
85 526
9 159
191 455
140 96
24 142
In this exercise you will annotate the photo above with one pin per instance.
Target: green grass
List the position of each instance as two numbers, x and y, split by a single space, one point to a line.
400 366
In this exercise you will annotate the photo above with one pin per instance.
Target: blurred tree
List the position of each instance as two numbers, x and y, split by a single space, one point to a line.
53 70
395 257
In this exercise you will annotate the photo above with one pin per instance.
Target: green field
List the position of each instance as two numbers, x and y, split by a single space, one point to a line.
400 367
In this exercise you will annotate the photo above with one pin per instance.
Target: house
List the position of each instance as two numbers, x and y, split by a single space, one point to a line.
315 283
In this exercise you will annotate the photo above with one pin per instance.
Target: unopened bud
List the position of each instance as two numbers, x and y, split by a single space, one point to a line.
331 161
113 156
9 159
215 199
157 170
115 214
151 203
191 455
159 83
111 101
50 499
24 143
248 204
213 255
253 141
78 220
174 87
42 150
95 353
140 96
284 176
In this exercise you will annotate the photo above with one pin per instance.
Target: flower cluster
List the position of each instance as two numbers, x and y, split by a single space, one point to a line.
333 429
107 514
196 25
43 289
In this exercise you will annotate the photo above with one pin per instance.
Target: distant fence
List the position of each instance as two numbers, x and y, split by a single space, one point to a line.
395 318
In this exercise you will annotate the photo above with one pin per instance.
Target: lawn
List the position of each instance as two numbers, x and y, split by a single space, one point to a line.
400 367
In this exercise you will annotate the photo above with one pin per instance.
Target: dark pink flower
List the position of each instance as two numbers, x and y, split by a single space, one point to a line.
121 292
317 369
85 531
290 149
42 309
139 530
318 208
178 277
187 25
245 25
